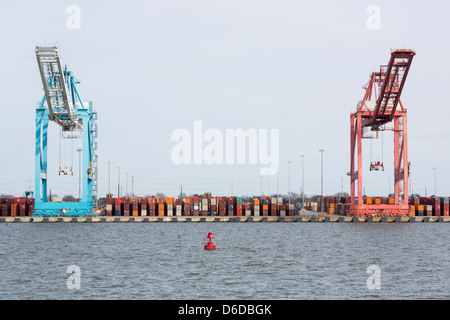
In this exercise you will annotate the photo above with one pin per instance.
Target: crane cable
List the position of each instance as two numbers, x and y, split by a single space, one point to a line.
60 143
382 147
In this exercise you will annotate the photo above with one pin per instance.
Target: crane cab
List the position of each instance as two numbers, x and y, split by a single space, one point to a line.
376 166
66 171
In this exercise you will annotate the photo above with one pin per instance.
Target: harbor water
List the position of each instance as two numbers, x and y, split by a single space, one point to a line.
252 261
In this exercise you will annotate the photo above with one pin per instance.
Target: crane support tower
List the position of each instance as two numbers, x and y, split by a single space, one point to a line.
62 105
380 106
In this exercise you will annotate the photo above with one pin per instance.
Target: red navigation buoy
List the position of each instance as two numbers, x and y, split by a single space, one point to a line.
210 245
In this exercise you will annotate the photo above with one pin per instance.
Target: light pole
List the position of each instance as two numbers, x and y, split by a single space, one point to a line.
261 186
109 177
389 184
321 180
303 182
118 183
289 180
435 192
132 186
231 186
278 174
126 184
79 178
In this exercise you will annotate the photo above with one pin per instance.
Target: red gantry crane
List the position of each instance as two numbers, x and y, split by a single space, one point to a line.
382 105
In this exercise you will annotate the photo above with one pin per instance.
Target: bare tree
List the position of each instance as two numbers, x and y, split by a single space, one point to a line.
101 202
69 198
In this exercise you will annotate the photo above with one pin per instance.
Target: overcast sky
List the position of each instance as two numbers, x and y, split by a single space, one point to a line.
152 67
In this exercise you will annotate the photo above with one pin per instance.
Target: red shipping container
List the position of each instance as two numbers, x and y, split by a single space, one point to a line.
445 209
436 210
239 209
222 207
30 210
5 209
152 208
273 209
22 209
187 209
126 207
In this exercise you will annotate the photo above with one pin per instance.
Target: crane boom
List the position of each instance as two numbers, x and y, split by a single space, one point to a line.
388 84
57 86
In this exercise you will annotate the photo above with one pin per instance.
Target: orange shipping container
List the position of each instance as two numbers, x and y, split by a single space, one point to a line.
13 209
187 200
330 211
161 209
169 200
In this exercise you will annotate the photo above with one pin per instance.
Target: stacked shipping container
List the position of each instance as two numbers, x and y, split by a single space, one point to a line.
207 205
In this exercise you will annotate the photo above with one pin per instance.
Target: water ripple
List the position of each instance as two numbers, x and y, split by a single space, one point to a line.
252 261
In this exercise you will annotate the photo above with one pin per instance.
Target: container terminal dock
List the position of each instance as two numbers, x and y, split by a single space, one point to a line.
380 110
207 208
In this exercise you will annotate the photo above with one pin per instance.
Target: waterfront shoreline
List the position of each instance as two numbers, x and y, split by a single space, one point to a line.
296 218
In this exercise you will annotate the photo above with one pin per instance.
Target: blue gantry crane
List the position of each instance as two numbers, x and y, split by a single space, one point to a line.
63 105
